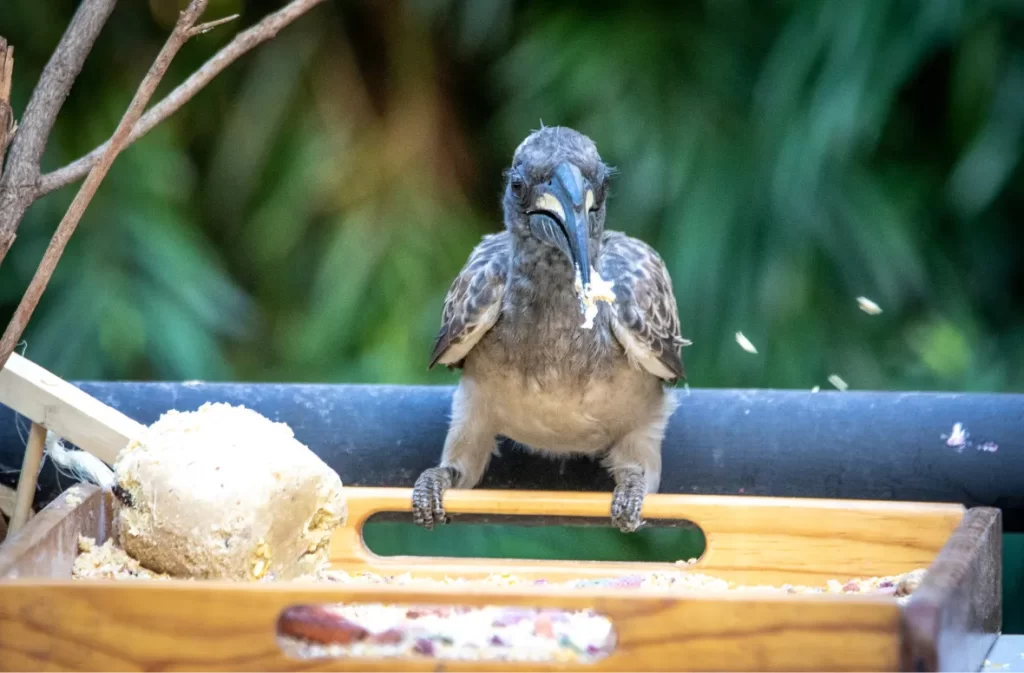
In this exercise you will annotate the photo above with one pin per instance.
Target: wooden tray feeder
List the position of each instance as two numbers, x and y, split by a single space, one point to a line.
49 621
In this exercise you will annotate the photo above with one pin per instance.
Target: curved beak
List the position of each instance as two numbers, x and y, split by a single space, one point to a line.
563 199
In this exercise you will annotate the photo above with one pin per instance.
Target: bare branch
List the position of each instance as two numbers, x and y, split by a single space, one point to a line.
17 186
7 125
181 33
210 25
241 44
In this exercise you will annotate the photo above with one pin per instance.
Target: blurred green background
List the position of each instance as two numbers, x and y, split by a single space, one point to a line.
301 218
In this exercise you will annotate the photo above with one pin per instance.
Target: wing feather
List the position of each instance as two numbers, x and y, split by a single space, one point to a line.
473 303
646 320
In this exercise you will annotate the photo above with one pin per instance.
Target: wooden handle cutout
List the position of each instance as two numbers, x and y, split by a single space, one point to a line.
749 539
439 633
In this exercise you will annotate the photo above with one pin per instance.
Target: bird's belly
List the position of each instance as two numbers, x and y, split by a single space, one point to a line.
571 419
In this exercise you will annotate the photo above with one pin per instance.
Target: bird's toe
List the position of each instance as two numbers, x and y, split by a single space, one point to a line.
627 504
428 497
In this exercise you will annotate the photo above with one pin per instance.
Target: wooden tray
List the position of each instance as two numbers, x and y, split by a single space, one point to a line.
50 622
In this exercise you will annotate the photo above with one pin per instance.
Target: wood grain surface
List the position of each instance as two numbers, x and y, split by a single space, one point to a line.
57 405
953 619
750 540
61 625
49 622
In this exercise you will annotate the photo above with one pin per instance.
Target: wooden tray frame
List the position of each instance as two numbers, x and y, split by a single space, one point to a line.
50 622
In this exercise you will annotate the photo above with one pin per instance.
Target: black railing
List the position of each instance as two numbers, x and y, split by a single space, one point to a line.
859 445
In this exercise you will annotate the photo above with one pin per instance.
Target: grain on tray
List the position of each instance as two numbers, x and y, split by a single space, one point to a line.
486 633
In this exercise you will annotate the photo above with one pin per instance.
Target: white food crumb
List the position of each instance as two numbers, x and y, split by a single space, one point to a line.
744 343
815 389
597 290
868 306
73 497
837 382
959 435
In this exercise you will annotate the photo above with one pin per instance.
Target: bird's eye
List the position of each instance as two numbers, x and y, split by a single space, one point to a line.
518 186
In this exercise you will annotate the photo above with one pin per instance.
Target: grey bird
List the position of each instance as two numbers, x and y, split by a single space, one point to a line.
536 368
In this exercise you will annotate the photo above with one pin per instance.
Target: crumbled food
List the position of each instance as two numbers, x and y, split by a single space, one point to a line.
223 492
73 496
110 562
485 633
598 289
896 585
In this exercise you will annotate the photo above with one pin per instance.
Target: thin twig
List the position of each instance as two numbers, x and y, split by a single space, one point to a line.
180 35
241 44
210 25
17 186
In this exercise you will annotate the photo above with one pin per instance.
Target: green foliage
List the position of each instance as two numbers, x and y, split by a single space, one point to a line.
301 218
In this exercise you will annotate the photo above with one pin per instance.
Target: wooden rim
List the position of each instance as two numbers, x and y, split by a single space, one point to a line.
726 522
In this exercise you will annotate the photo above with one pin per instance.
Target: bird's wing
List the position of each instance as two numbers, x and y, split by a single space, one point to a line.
474 300
645 320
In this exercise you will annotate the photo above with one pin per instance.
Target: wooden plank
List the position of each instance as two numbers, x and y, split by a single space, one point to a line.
750 540
59 624
66 625
953 619
57 405
48 545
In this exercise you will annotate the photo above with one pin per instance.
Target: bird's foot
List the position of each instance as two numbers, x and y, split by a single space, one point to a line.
428 493
628 501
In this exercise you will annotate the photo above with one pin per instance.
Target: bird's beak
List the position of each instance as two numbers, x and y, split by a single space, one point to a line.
564 199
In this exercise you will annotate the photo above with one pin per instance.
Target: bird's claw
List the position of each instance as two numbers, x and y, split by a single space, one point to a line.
628 502
428 494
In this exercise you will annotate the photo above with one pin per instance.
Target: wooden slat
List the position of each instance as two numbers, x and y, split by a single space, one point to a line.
57 405
953 619
47 546
750 540
58 624
64 625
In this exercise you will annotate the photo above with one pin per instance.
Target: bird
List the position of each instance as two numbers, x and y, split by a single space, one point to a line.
567 335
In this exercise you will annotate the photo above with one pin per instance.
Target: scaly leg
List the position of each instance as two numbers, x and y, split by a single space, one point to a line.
467 451
635 463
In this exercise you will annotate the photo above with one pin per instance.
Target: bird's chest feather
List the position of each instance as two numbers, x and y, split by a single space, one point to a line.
540 334
549 382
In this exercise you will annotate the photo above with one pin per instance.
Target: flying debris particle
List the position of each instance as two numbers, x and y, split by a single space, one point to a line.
815 389
868 306
988 447
958 437
744 343
837 382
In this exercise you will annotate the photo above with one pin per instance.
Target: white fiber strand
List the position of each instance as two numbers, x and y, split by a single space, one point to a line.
78 465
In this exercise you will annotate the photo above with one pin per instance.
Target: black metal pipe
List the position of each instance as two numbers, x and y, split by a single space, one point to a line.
857 445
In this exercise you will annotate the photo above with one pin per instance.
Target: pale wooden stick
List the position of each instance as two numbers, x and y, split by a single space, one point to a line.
70 412
29 476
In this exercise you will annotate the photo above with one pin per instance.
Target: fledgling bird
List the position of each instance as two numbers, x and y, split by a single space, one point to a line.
567 335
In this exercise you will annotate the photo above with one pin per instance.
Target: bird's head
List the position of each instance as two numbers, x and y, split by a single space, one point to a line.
555 193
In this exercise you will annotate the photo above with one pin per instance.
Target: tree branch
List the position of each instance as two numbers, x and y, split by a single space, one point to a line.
7 125
17 186
241 44
181 33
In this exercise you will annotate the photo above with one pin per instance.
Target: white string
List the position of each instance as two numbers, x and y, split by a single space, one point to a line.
78 465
